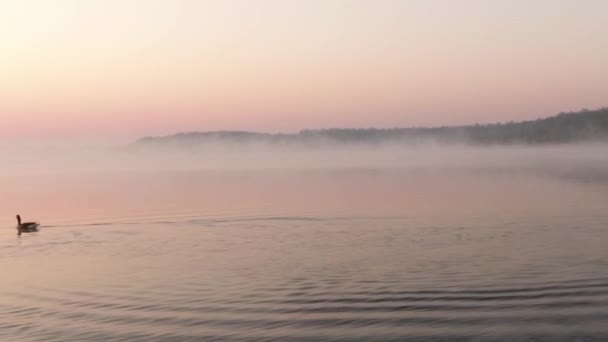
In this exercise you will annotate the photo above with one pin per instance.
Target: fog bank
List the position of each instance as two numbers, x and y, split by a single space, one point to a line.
585 160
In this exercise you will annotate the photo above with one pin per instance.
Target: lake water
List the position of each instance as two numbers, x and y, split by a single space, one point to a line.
287 255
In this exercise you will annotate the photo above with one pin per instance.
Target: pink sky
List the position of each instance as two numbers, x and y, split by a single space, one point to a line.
117 70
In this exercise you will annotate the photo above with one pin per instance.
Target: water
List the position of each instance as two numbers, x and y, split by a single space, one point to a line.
357 254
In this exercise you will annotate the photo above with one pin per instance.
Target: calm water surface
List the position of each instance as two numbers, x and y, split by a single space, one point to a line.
304 255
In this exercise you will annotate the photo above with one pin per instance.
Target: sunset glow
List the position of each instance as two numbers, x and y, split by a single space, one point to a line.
117 70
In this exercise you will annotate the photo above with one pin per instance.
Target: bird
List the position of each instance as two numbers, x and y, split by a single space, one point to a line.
26 226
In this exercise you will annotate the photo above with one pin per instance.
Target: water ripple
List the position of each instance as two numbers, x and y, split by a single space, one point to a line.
338 279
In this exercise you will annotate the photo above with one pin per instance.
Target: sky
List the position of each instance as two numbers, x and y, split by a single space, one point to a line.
116 70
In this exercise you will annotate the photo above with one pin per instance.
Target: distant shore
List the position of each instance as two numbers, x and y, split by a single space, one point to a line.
585 125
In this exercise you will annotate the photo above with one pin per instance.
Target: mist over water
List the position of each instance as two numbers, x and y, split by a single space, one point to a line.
404 210
256 156
425 242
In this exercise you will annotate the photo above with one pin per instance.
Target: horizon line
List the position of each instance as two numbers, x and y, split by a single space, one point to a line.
581 111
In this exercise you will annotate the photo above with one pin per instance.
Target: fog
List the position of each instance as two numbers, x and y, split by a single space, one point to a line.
587 161
89 185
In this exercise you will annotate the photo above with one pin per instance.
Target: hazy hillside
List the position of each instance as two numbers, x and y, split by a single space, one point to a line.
587 125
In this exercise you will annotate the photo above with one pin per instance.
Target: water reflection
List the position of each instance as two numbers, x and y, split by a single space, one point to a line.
306 255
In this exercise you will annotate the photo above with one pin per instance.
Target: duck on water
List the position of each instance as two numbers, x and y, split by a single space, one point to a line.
26 227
